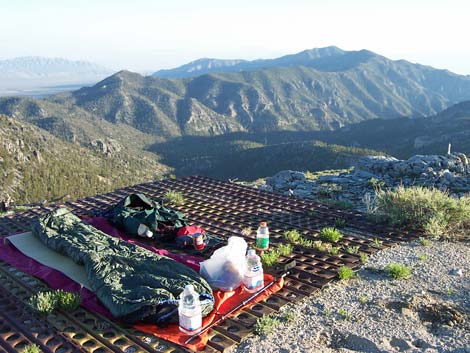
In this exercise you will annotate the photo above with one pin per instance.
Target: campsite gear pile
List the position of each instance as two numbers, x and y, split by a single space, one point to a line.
141 217
150 287
285 271
136 211
224 270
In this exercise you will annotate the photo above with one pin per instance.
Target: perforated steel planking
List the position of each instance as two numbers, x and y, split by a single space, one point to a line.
223 209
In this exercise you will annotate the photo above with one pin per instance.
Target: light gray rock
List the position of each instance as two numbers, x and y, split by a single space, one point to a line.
450 172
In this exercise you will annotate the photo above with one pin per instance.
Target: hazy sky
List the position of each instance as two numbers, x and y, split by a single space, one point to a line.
146 35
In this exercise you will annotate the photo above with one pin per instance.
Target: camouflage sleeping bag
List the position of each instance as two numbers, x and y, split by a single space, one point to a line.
134 283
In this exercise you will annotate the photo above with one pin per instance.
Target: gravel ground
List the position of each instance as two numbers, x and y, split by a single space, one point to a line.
429 312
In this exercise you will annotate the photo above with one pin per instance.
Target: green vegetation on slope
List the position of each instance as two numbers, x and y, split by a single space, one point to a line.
250 156
37 166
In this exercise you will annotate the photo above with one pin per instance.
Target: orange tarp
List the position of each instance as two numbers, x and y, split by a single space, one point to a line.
224 302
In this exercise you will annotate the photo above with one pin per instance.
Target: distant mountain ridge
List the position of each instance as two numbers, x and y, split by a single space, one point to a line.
310 57
37 66
34 73
404 137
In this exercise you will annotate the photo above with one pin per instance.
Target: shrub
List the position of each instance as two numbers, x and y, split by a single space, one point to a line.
437 213
330 234
352 250
334 250
269 258
318 244
31 348
67 301
46 301
344 314
363 300
398 271
293 236
308 243
340 223
174 197
289 316
265 325
422 257
363 257
284 249
376 243
375 183
43 302
345 273
424 242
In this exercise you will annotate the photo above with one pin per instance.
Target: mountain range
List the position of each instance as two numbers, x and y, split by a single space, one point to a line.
318 58
337 89
35 75
294 112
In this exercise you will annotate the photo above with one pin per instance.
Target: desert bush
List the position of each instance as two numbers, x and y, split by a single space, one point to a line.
432 210
330 234
31 348
284 249
363 257
398 271
43 302
292 236
46 301
265 325
68 301
174 197
271 257
345 273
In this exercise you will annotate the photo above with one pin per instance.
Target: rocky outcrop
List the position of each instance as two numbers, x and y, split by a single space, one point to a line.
107 147
449 172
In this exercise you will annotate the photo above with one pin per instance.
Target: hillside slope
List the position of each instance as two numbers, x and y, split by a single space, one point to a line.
35 165
405 137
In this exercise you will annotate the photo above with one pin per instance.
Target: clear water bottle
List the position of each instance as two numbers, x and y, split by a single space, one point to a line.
144 231
189 310
253 278
262 236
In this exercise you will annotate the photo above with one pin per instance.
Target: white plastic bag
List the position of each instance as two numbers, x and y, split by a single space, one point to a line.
225 268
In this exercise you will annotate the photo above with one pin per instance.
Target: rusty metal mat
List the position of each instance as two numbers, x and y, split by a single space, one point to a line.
223 209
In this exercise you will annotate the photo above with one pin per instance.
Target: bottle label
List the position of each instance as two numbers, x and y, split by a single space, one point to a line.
253 282
262 243
190 323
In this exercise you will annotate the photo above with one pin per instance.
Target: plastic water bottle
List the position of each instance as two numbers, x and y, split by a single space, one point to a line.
253 278
262 237
144 231
189 310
